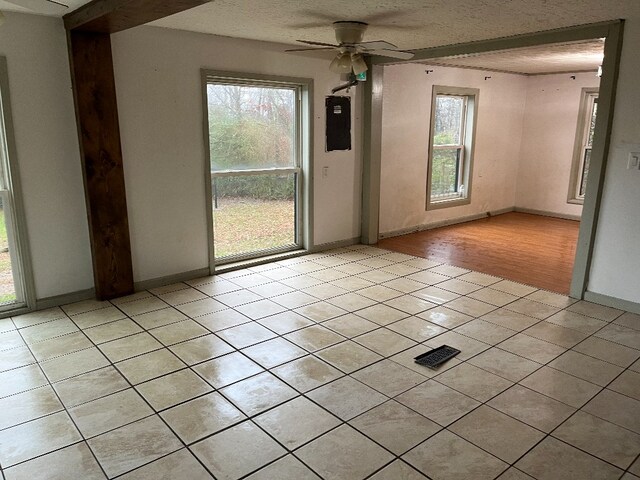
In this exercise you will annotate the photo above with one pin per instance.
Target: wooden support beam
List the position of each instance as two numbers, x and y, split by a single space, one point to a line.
110 16
101 154
89 29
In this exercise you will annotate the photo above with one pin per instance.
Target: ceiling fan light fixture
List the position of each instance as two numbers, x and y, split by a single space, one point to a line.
349 31
341 64
358 63
351 48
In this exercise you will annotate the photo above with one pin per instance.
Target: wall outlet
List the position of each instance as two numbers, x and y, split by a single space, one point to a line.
634 161
325 171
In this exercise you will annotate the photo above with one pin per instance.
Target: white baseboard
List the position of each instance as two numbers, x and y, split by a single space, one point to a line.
470 218
169 279
281 256
545 213
65 299
331 245
252 262
444 223
612 302
87 294
90 293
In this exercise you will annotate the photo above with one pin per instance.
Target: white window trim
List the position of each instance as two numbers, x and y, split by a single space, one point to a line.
587 97
467 145
14 215
304 158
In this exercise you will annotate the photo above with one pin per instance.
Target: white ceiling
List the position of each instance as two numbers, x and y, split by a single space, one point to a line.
556 58
56 8
410 24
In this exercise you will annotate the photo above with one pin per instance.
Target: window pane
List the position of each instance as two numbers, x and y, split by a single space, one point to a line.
253 213
585 171
7 287
448 120
251 127
445 169
592 122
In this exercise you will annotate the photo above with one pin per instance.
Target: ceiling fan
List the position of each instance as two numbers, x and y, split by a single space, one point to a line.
351 48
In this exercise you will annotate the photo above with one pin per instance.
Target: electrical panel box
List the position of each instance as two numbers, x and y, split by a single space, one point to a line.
338 127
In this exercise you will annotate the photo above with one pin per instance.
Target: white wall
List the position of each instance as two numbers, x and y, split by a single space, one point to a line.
405 142
549 133
616 262
165 63
160 106
48 153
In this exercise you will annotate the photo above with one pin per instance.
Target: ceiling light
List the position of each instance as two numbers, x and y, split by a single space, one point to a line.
341 64
358 63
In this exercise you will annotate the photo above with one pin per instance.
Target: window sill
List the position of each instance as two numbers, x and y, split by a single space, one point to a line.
453 202
228 267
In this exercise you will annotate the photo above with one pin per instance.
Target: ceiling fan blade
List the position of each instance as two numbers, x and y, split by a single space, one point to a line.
377 45
400 54
309 49
318 43
45 7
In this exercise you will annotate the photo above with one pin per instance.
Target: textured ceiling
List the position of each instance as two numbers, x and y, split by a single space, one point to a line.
568 57
42 7
408 23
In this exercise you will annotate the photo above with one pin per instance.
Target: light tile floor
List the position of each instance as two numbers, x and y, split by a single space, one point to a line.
303 369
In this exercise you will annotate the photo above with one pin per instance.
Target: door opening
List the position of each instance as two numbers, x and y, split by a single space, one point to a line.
256 149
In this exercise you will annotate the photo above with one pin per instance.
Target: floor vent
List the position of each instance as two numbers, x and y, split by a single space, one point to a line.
435 357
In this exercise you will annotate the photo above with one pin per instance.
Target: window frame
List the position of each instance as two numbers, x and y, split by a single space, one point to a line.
588 96
303 160
466 146
11 193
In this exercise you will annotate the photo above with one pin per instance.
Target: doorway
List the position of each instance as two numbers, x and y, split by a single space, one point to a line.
611 31
507 122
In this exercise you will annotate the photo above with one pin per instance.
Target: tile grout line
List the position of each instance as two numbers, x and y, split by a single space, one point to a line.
64 409
349 338
131 423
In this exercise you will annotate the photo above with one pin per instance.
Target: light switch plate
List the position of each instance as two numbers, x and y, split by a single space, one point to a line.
634 161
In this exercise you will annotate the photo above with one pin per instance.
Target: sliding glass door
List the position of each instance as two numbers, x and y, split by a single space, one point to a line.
16 287
254 149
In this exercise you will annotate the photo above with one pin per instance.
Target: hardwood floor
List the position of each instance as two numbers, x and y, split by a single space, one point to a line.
531 249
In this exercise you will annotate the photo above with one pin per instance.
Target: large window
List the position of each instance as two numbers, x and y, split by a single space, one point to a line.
584 142
16 285
255 130
453 115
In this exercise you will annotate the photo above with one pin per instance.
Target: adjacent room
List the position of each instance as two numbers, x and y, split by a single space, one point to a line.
517 127
212 262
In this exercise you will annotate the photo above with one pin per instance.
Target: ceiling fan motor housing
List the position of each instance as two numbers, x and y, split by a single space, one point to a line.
349 32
